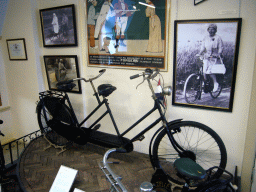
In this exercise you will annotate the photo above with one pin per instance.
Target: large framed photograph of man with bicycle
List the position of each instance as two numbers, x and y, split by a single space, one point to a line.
129 34
62 68
59 26
205 63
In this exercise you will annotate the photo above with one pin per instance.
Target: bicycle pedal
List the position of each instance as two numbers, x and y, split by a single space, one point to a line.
96 127
140 138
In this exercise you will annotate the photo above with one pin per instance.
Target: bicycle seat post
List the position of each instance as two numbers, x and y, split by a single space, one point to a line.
95 92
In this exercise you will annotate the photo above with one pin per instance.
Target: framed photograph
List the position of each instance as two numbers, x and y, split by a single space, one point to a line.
62 68
130 34
17 49
59 26
205 63
196 2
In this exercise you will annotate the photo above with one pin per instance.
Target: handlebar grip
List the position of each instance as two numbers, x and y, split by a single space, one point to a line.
119 150
155 74
102 71
135 76
65 82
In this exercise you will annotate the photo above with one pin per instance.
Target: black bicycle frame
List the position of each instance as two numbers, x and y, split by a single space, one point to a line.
157 106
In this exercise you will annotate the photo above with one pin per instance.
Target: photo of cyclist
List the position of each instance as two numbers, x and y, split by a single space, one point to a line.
211 49
205 63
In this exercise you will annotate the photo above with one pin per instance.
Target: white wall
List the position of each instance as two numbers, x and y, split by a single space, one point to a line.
5 112
21 76
26 78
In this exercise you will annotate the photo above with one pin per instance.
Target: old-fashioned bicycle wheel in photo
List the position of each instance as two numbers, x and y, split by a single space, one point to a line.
205 63
59 26
62 68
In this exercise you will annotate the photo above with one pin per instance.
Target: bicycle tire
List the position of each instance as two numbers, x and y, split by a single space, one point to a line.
44 116
192 88
201 143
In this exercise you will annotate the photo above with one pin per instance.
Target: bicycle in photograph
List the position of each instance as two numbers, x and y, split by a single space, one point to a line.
196 84
173 140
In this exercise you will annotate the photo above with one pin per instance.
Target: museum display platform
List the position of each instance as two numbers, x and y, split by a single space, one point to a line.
37 168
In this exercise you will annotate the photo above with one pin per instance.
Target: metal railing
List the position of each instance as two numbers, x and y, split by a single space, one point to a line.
13 149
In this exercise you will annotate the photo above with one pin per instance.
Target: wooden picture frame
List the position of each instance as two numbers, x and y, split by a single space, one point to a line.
134 36
62 68
197 47
17 49
58 26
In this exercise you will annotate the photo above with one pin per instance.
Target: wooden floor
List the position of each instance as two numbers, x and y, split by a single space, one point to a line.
38 167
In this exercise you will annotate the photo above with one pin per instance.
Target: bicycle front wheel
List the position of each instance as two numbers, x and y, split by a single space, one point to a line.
192 88
45 115
199 142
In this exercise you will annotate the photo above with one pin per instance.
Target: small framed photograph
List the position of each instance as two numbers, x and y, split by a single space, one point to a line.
17 49
196 2
205 63
59 26
62 68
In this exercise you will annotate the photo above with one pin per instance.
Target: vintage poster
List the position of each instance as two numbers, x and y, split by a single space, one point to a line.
127 33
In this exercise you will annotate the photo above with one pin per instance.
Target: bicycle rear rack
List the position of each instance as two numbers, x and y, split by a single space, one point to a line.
50 93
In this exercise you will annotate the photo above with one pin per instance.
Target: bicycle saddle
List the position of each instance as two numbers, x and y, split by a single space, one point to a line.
189 168
106 89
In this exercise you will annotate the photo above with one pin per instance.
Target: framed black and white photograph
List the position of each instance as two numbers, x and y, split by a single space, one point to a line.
196 2
17 49
59 26
205 63
62 68
130 34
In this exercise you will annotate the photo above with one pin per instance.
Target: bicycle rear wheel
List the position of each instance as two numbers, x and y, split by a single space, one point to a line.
45 116
192 88
199 142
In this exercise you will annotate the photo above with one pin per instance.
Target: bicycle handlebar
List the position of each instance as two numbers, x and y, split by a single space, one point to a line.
151 74
78 79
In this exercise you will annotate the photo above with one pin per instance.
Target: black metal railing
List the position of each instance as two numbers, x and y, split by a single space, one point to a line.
13 149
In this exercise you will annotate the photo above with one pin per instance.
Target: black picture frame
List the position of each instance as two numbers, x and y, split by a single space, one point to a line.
190 36
62 68
17 49
196 2
58 26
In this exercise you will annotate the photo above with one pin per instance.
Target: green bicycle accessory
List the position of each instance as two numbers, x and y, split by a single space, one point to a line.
189 168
